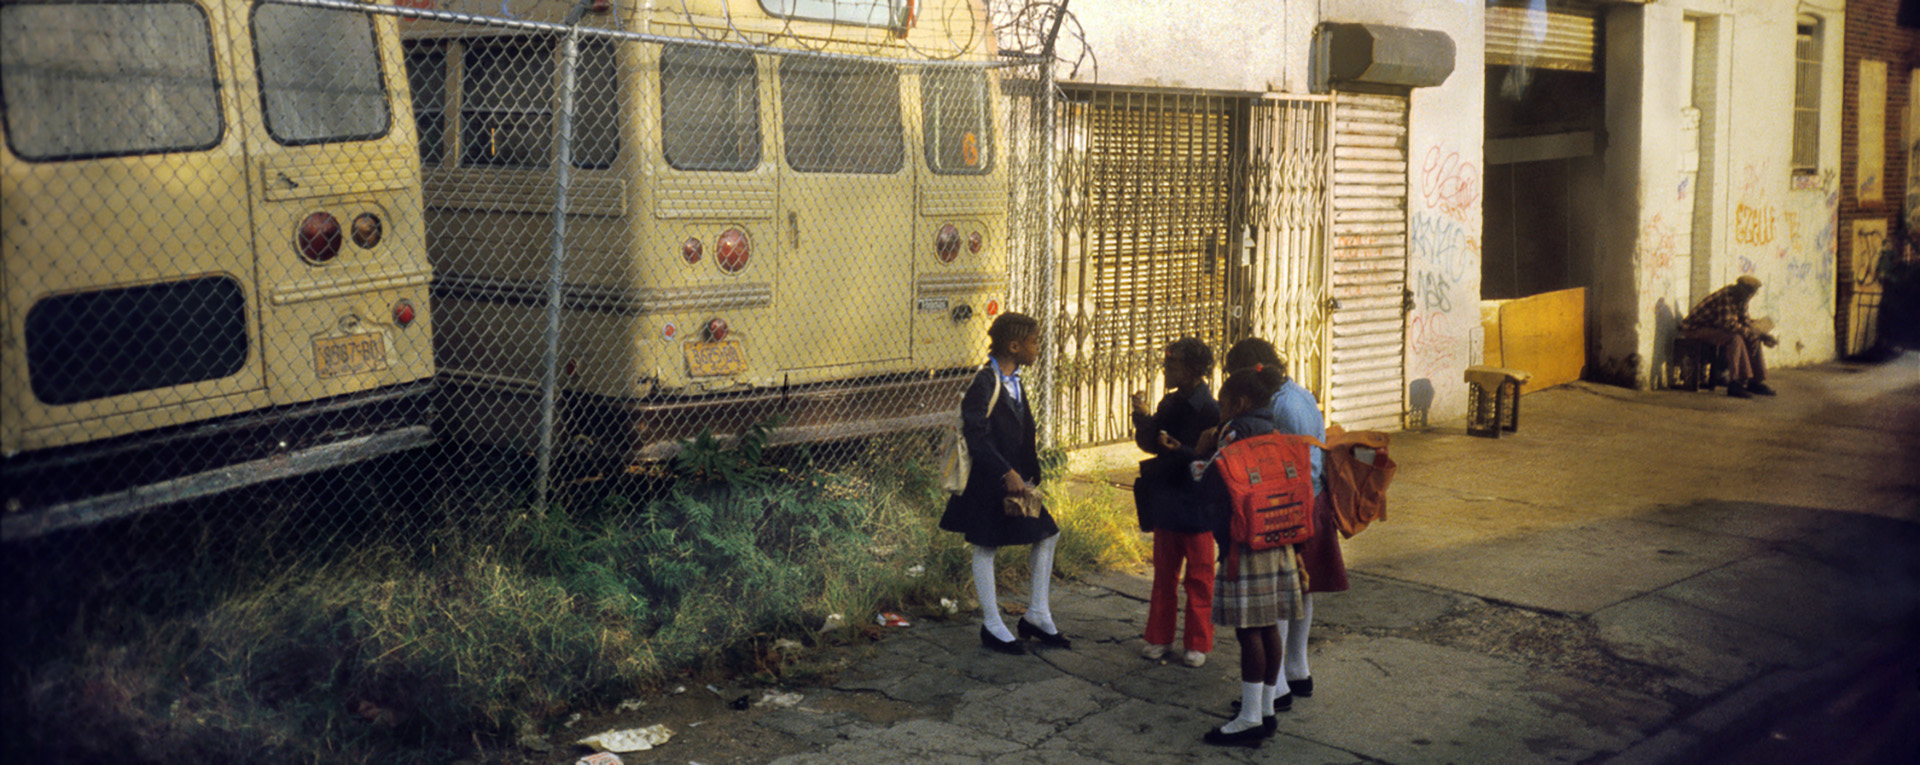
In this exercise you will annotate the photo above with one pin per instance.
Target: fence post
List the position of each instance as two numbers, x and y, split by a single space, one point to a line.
556 263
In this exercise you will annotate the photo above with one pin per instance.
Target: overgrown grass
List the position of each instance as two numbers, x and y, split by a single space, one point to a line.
424 628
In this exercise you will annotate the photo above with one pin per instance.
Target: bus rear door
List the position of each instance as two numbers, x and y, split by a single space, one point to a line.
122 188
845 294
336 203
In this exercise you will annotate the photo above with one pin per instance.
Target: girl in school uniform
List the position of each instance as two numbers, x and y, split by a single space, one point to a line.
997 421
1296 412
1254 591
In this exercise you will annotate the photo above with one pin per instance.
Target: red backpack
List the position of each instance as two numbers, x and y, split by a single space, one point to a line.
1269 481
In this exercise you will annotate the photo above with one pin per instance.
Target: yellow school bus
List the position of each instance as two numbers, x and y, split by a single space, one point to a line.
775 206
214 261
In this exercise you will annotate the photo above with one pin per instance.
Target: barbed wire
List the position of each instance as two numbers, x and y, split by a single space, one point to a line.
1023 28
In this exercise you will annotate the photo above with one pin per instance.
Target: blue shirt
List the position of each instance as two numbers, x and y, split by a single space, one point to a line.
1010 382
1296 412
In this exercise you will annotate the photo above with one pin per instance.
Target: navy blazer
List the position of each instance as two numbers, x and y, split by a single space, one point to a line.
997 441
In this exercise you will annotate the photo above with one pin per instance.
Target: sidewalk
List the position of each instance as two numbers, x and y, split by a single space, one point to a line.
1632 576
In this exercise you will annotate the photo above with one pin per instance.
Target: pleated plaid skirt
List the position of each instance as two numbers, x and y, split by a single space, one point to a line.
1266 590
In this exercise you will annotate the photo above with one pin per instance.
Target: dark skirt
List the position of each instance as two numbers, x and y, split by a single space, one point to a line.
985 524
1325 568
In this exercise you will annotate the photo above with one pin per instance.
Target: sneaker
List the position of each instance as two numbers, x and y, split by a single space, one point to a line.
1154 652
1759 387
1738 390
1194 659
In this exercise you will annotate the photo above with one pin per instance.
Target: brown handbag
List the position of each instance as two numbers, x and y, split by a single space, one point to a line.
1022 505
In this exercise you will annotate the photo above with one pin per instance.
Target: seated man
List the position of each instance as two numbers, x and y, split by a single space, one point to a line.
1721 319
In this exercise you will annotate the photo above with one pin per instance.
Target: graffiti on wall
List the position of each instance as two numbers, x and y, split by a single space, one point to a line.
1445 247
1448 184
1660 246
1754 225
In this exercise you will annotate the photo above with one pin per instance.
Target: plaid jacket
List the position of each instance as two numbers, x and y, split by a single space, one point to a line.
1725 309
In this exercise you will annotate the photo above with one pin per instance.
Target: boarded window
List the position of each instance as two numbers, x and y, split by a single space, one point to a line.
959 131
94 80
92 345
1806 98
320 76
841 117
709 109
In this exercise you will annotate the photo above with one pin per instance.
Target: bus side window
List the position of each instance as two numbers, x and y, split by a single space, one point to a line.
841 117
508 90
959 134
709 109
427 78
320 77
81 80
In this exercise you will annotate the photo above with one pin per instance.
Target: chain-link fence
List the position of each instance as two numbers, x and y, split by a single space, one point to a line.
254 241
316 306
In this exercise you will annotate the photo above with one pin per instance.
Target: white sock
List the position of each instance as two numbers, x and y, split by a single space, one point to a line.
1249 716
983 587
1040 607
1268 695
1294 633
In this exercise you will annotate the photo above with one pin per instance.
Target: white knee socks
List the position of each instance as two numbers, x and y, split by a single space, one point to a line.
1249 716
984 588
1040 609
1294 633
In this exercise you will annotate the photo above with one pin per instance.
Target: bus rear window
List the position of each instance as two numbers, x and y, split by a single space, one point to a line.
959 131
427 78
709 109
319 74
97 344
841 117
80 80
507 98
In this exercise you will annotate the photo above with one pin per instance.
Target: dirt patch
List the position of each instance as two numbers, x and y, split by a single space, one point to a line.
1563 645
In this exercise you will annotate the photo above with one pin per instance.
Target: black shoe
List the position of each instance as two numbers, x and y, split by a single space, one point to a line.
1269 725
1738 390
1282 704
1249 738
1759 387
1302 688
1011 647
1056 640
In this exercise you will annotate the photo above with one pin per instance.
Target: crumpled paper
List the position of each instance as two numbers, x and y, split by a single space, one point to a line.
630 739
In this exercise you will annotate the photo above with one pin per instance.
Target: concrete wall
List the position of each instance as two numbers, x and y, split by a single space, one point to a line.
1229 45
1758 220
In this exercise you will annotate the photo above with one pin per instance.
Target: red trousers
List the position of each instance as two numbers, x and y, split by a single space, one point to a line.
1170 549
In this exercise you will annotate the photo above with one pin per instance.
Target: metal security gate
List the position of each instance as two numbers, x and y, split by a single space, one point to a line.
1286 282
1184 214
1148 213
1368 349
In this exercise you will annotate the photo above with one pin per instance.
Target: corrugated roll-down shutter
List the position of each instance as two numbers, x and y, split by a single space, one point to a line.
1546 34
1369 282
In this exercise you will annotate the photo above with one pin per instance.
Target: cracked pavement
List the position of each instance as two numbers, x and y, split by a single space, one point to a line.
1633 576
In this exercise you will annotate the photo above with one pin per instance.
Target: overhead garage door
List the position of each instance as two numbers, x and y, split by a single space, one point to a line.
1368 345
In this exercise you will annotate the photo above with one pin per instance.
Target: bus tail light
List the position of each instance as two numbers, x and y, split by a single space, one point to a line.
403 312
947 243
733 251
993 308
973 242
716 330
319 238
367 230
691 250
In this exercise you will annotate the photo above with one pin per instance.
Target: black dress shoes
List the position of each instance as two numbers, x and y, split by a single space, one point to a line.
1761 388
1010 647
1302 688
1053 639
1249 738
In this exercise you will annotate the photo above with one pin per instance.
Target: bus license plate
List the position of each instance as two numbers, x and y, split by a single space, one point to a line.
352 354
712 359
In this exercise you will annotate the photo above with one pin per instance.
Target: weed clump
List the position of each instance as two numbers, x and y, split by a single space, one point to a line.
429 622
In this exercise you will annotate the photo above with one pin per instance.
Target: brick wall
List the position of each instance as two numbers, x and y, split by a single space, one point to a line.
1871 34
